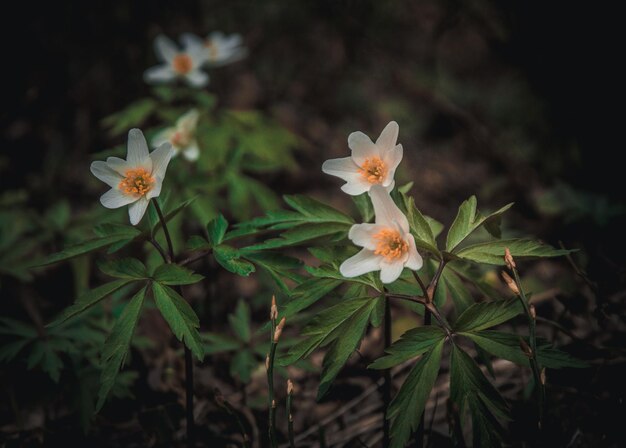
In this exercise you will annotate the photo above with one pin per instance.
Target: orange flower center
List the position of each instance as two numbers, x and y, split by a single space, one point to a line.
182 63
212 49
137 182
374 170
390 244
180 139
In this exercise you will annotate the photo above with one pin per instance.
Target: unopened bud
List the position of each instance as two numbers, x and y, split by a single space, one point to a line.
526 348
533 311
508 259
267 362
542 376
274 404
274 309
289 387
510 282
279 329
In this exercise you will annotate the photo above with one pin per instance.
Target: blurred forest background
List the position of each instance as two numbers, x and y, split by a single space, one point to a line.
511 101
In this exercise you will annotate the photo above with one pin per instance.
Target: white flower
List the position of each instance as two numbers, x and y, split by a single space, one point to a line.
370 163
387 244
182 136
218 48
183 64
137 179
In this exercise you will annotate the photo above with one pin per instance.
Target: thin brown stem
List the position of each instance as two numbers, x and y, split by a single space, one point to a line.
419 281
387 374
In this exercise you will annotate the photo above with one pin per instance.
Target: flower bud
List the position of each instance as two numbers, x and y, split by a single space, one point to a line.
274 309
279 329
508 259
289 387
533 311
542 376
267 362
510 282
526 348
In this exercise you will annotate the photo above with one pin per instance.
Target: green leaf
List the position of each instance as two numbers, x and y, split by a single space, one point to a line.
89 299
170 215
218 343
342 347
507 346
301 234
80 249
115 229
468 220
278 266
129 268
242 365
216 229
411 344
117 345
132 116
307 293
181 318
173 274
229 258
240 321
481 316
311 208
492 252
364 206
420 228
461 297
405 411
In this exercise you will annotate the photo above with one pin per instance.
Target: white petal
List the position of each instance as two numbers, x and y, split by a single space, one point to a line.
197 78
363 235
356 187
114 198
137 149
415 260
389 272
386 211
362 263
161 137
155 191
344 168
392 158
362 147
192 152
191 40
231 41
118 165
228 56
105 173
159 74
160 159
188 121
389 136
137 210
165 48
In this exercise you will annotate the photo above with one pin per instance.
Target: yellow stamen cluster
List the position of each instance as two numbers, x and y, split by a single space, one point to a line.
182 63
390 244
374 170
137 182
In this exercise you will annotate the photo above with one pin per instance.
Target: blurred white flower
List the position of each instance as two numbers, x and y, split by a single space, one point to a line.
183 64
182 136
387 244
370 163
137 179
218 48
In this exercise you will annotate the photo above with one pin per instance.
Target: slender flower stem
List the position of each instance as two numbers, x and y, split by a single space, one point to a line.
420 433
292 439
276 331
188 357
534 363
387 374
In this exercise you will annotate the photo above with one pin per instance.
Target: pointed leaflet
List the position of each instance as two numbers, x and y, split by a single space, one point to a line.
307 293
411 344
180 316
89 299
492 252
130 268
408 405
216 229
468 220
240 321
420 227
173 274
117 345
316 210
230 259
481 316
80 249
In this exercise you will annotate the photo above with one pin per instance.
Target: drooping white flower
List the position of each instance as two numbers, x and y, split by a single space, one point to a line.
137 179
184 64
218 48
370 163
182 137
388 245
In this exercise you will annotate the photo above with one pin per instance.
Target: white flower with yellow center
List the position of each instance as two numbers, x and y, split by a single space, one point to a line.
137 179
183 64
370 163
182 137
388 245
218 48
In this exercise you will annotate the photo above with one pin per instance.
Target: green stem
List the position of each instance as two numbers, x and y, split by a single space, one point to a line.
387 375
272 401
534 363
292 439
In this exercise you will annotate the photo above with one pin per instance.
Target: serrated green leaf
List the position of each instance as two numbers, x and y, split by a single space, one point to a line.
406 408
240 321
117 345
216 229
411 344
80 249
420 228
492 252
44 355
181 318
278 266
197 242
173 274
481 316
219 343
468 220
129 268
301 234
364 206
460 295
307 293
115 229
312 208
89 299
229 258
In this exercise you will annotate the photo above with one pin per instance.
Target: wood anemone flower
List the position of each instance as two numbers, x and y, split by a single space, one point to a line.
218 48
177 64
182 136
